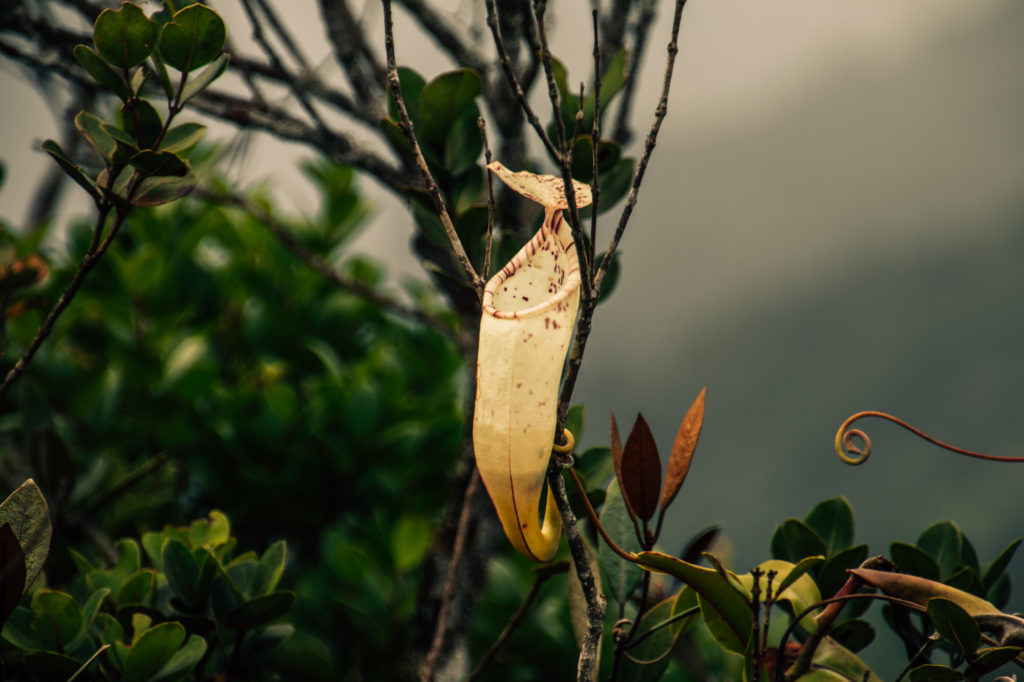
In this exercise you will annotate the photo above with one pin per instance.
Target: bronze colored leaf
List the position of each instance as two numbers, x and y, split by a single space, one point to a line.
641 470
920 590
616 446
682 449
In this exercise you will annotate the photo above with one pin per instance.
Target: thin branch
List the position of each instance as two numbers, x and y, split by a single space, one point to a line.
352 52
652 137
640 31
586 670
448 599
89 261
595 141
435 193
312 260
513 82
490 199
543 573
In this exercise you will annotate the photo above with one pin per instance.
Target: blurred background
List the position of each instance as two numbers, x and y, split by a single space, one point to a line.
833 221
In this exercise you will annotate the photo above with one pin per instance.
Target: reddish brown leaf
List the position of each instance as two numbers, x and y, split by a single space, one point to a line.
640 477
12 572
682 450
616 445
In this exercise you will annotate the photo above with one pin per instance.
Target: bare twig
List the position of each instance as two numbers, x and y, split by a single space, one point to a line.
586 670
288 240
542 574
621 132
444 614
513 82
652 137
428 178
490 199
595 139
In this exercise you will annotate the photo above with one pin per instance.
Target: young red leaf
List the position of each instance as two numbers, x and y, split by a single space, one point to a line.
682 450
641 470
616 446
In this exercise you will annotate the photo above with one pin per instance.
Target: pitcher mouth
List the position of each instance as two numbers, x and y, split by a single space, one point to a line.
550 235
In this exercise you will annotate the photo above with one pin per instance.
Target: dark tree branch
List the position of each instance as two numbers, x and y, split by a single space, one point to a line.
353 54
623 131
440 29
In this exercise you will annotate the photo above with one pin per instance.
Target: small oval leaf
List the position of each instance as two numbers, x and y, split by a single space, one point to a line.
124 37
194 38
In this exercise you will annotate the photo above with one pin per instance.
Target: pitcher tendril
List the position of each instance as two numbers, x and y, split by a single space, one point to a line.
851 453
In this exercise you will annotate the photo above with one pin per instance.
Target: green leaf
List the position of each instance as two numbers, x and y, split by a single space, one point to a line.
150 163
790 584
12 572
932 672
991 659
142 122
794 540
136 588
943 541
832 520
726 610
832 575
260 611
955 625
183 660
181 139
999 593
614 184
967 580
912 559
831 657
410 540
92 129
162 189
443 100
74 172
101 71
152 651
182 571
198 83
195 37
620 576
29 517
272 563
648 660
412 85
853 634
124 37
18 630
996 569
57 618
89 611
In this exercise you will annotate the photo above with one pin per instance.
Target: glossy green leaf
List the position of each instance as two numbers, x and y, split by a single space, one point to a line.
791 584
260 611
943 541
967 580
853 634
832 657
794 540
914 560
647 660
955 625
932 672
620 576
996 569
199 82
443 100
832 575
142 123
614 185
999 593
124 37
272 563
463 144
29 517
184 659
74 172
18 630
832 520
180 139
101 72
162 189
12 572
152 651
56 618
920 590
89 610
182 571
726 610
990 660
136 589
194 38
640 476
92 129
412 85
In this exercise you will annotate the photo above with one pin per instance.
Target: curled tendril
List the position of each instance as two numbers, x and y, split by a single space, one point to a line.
851 453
